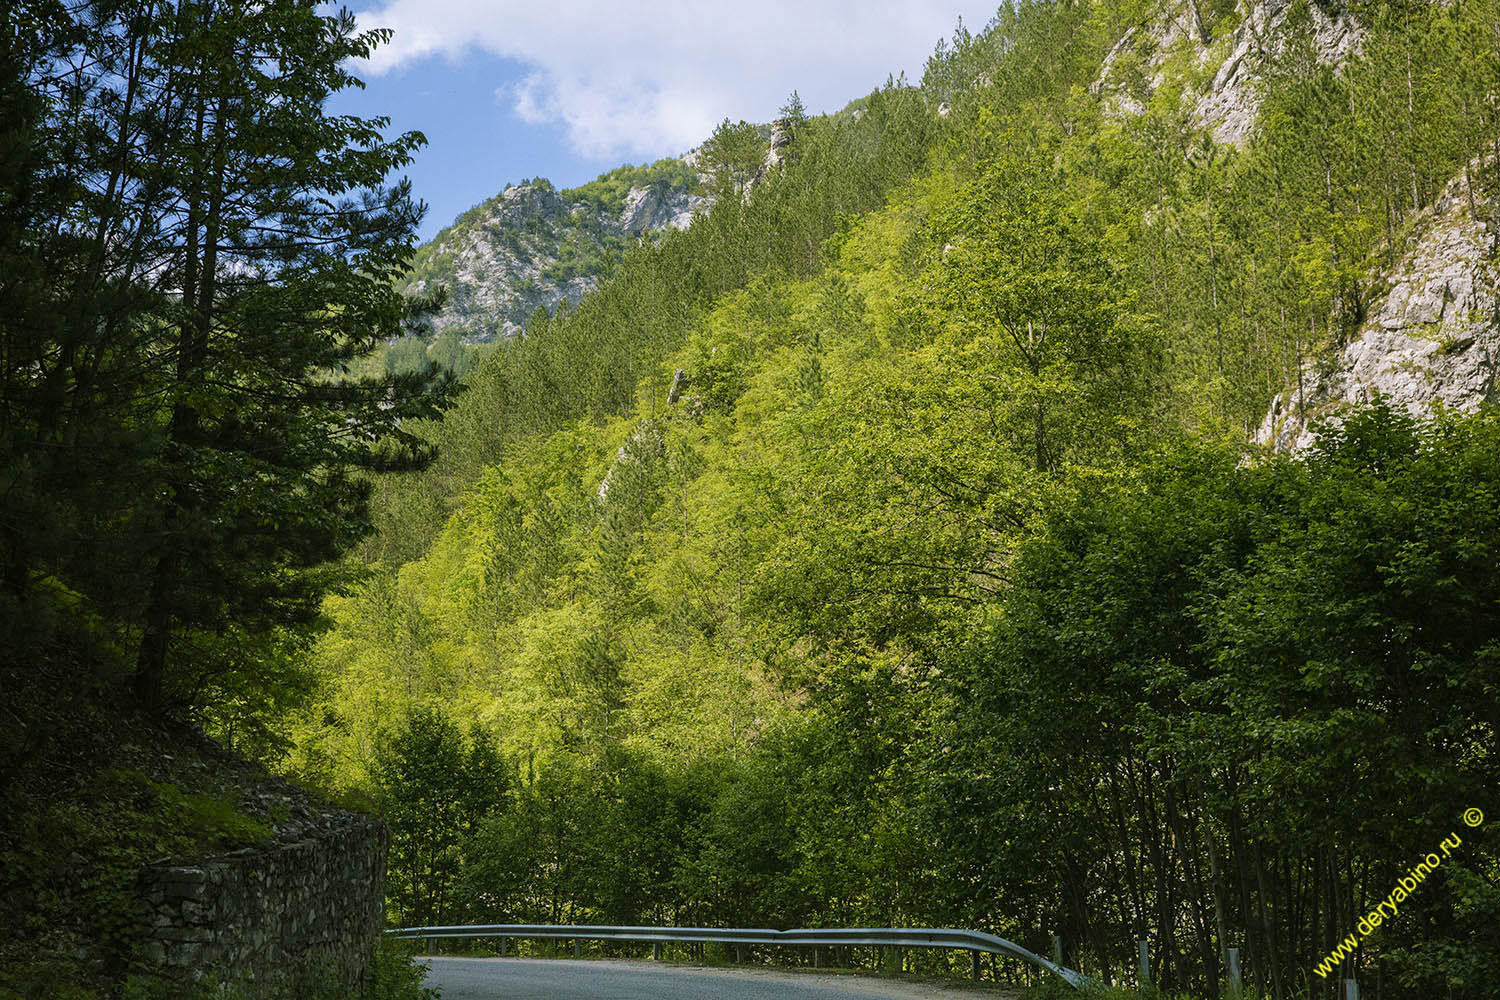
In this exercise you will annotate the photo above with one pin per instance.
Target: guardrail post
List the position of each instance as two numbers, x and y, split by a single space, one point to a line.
1145 962
1236 982
577 948
656 951
1351 990
974 965
503 943
1057 949
739 954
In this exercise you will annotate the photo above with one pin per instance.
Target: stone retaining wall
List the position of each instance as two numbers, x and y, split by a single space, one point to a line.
264 917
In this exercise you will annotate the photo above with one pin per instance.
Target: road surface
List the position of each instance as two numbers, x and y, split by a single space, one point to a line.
562 979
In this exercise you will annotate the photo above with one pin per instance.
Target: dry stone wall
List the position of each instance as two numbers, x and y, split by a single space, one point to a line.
264 917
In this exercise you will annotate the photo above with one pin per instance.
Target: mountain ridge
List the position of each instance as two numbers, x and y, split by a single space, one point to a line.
533 246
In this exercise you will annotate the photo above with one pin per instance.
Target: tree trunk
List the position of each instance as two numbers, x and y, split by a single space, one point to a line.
199 290
1198 25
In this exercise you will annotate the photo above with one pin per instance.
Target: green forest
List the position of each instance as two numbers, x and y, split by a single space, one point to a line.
889 548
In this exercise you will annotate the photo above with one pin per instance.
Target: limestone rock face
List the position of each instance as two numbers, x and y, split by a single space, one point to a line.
535 247
649 209
1237 57
1150 45
1432 340
1433 337
781 141
1229 106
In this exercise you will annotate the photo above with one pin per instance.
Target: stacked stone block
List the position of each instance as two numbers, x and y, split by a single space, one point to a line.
264 917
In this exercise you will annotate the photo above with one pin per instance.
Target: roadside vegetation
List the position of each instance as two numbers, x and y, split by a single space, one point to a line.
884 549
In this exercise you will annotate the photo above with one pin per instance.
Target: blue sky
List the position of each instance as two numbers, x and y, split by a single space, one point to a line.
475 145
567 90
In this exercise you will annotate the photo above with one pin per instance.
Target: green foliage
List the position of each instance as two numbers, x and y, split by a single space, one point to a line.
583 257
184 458
596 361
193 255
871 552
395 975
434 788
413 354
794 111
1276 648
731 157
607 192
72 856
210 821
392 974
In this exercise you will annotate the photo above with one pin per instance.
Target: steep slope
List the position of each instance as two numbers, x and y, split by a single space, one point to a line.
1431 341
534 247
825 521
1221 62
1425 327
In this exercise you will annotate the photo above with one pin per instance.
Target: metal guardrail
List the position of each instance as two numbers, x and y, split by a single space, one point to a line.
896 937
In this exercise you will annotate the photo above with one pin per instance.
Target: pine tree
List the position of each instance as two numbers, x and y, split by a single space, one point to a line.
231 250
731 157
794 111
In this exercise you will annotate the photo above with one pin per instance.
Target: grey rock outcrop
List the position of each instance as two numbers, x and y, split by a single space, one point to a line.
1229 106
781 141
1265 30
531 247
1433 339
1153 44
648 209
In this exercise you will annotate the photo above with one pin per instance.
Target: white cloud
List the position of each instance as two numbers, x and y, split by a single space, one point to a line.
644 79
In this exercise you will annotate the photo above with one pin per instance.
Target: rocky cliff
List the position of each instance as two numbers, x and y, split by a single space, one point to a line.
1221 61
1432 338
534 247
1431 335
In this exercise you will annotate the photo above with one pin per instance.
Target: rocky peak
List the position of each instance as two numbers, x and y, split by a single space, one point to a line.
535 247
531 198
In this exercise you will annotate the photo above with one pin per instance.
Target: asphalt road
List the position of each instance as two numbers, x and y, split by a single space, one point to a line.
561 979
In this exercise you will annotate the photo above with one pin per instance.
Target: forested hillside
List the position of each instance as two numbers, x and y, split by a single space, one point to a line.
1058 495
889 547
